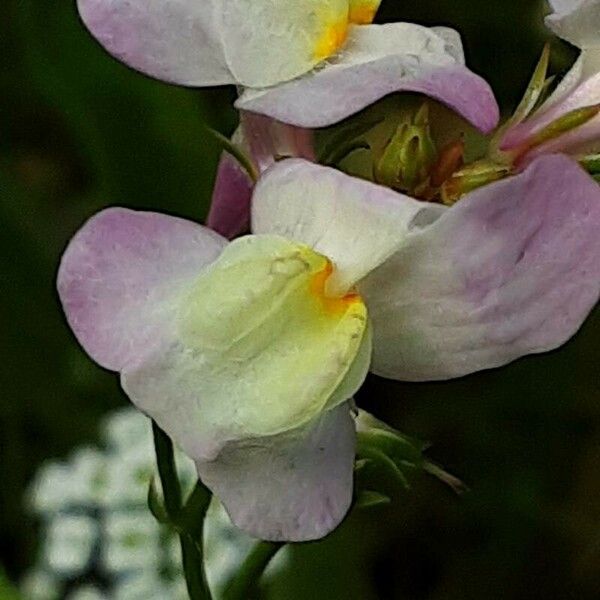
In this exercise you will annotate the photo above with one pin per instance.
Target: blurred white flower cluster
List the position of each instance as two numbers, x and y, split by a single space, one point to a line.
99 541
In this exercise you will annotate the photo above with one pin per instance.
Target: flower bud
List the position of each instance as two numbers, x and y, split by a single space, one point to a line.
409 156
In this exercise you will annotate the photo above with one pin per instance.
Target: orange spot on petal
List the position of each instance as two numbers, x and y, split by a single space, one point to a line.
330 305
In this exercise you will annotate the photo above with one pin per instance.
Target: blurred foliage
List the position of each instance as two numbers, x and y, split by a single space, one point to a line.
79 132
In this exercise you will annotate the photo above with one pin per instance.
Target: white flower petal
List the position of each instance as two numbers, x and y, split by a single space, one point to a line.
292 487
379 60
355 223
577 21
269 42
511 269
69 545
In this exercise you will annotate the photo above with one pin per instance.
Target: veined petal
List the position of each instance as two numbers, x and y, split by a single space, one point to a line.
355 223
258 349
119 275
377 61
173 40
292 487
577 21
269 42
511 269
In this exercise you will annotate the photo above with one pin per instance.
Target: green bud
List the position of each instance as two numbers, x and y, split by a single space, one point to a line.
409 156
387 460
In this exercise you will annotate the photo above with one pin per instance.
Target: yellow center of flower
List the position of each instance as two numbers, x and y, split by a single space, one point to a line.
267 346
336 25
333 38
331 305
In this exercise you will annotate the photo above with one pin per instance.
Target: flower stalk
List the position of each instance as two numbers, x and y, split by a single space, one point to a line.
188 520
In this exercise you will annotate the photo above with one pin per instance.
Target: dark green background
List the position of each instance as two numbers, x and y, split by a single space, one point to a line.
79 132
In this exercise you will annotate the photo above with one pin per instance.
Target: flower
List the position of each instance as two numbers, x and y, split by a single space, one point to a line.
87 592
246 353
568 121
132 542
70 544
307 63
331 94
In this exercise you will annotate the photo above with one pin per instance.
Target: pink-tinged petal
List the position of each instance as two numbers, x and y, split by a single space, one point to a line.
268 140
512 269
292 487
355 223
379 60
229 212
173 40
118 275
264 140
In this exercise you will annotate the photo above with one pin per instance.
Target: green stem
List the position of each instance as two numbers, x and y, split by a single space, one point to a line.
165 460
191 541
191 519
247 577
193 567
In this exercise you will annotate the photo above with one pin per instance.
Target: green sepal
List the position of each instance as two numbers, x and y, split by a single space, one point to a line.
388 461
236 152
370 499
361 464
470 178
535 89
567 122
547 90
